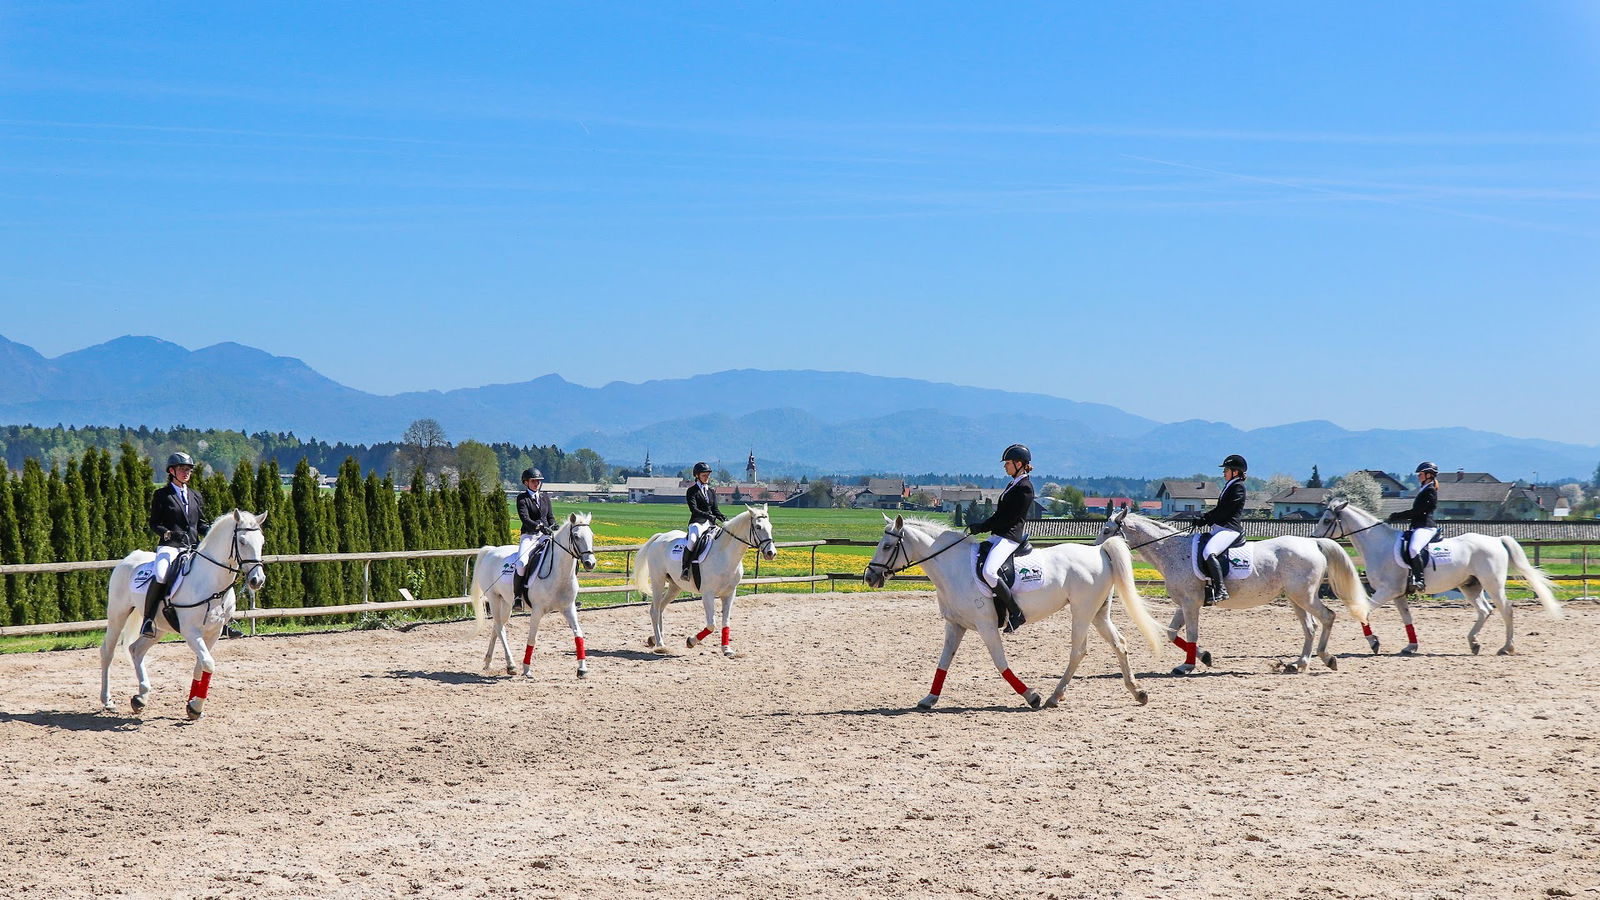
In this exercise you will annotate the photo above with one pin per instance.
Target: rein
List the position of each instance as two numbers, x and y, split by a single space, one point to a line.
899 547
572 538
761 546
1344 534
239 565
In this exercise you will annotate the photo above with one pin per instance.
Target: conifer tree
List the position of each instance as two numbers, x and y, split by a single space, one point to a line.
85 602
33 516
10 548
383 533
351 531
243 487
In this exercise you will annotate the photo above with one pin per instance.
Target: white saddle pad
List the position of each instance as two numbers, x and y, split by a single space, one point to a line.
143 575
681 544
1030 576
1241 560
1438 554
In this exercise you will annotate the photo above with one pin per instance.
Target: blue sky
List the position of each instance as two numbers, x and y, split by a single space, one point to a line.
1383 214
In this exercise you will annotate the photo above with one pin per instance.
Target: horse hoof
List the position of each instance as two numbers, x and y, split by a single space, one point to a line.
1408 650
1142 695
650 641
660 650
1474 646
928 701
1506 651
192 711
1184 669
583 673
1052 702
690 643
137 703
1373 643
1033 698
1205 657
728 652
1332 663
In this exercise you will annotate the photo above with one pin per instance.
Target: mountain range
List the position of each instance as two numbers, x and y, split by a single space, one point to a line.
797 421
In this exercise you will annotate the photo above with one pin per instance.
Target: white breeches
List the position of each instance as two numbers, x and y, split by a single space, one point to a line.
1419 540
695 530
1000 550
525 549
164 557
1220 540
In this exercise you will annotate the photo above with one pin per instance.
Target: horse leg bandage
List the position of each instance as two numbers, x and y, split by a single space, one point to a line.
527 655
704 633
199 687
582 653
938 682
1014 681
1192 649
1366 629
1411 633
724 635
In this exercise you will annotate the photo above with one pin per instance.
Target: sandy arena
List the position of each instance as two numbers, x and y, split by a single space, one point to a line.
382 763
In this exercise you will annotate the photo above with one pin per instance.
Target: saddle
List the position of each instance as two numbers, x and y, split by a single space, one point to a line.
144 577
695 551
540 557
1008 571
1228 560
1403 542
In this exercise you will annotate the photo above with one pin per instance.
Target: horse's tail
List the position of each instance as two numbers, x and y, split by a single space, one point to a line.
475 591
1346 580
1537 581
641 568
1120 561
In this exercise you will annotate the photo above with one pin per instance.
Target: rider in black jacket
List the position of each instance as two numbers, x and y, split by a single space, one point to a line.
1421 528
178 517
538 522
703 512
1007 529
1223 519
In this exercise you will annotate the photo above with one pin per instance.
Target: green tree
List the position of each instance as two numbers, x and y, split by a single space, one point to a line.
350 519
33 514
10 548
478 461
1315 481
243 486
383 531
955 515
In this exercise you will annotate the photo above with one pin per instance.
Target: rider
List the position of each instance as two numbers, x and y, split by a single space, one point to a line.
538 523
177 516
1224 519
1006 528
703 511
1422 527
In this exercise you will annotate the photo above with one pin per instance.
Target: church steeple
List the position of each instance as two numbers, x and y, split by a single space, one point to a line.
648 469
750 467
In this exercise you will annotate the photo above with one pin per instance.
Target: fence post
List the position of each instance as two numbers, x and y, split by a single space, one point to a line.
466 580
813 567
366 581
1536 548
1586 570
251 597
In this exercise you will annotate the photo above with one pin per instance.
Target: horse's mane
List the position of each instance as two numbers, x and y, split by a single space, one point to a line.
926 524
220 529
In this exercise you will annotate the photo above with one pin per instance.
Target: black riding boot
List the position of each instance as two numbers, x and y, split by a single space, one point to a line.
1005 605
690 551
519 587
1216 586
1416 582
153 595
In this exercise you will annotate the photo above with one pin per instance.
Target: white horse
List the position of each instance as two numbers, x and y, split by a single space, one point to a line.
1283 566
1074 574
1476 564
658 576
204 602
553 588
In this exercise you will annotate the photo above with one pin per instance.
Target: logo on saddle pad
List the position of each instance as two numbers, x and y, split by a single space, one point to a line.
1029 574
1438 553
145 574
1237 562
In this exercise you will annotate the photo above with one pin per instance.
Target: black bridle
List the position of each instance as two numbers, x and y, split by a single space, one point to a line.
765 545
1117 532
888 566
571 548
1343 533
237 563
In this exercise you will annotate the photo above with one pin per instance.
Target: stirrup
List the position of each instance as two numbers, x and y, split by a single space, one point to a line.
147 628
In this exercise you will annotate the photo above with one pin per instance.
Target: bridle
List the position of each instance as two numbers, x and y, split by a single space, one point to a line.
765 545
571 548
888 566
237 563
1117 532
1342 532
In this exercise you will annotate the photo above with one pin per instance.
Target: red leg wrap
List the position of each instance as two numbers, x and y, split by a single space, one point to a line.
205 685
194 688
579 643
1014 681
938 682
1411 633
1192 649
527 656
1366 630
704 633
724 635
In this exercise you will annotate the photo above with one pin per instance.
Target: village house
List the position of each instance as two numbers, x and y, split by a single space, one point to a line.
1300 503
1186 496
882 493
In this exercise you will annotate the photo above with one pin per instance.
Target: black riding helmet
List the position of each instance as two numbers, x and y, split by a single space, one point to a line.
702 467
1426 467
180 459
534 474
1017 453
1235 461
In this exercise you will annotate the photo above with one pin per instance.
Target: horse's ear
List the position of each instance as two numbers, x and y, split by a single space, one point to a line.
572 518
236 515
262 519
899 522
886 519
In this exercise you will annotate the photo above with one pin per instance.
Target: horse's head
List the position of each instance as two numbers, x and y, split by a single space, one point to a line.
891 552
761 531
581 538
1113 526
1328 522
247 541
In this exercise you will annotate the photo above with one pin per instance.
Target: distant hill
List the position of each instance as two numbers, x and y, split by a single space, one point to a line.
798 420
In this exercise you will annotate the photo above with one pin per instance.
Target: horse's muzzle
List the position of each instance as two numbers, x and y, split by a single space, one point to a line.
588 563
873 578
